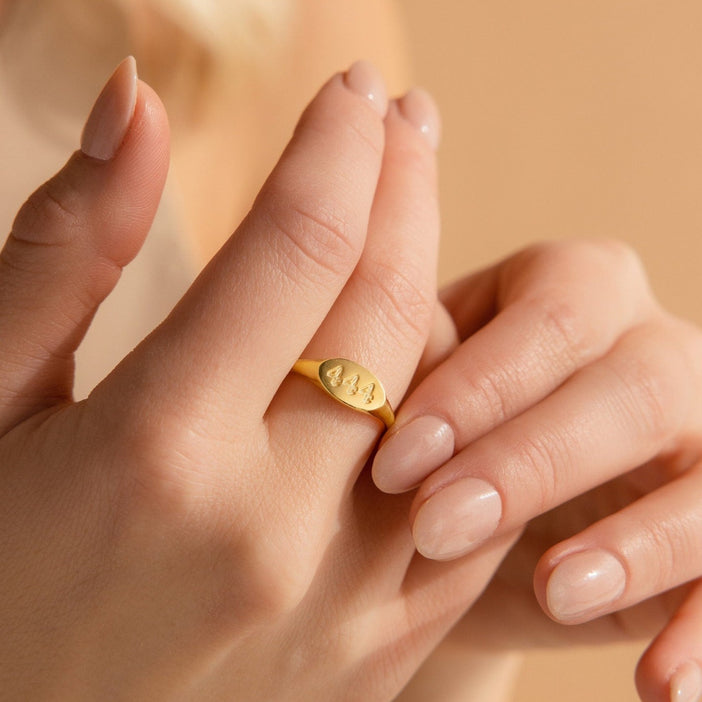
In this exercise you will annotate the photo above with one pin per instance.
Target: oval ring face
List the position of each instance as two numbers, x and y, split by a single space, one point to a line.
351 384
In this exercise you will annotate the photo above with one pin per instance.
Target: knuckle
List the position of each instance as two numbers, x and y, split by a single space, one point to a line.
258 570
165 470
316 241
354 127
540 461
611 258
50 215
650 394
277 588
622 254
647 403
671 548
564 327
619 261
490 390
541 259
406 305
168 502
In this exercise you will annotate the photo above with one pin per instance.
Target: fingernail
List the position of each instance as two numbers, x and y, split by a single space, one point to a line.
686 683
420 110
365 79
111 114
411 453
456 519
584 583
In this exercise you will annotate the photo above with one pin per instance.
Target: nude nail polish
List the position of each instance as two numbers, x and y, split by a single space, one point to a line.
112 113
584 584
363 78
456 519
412 453
420 110
686 683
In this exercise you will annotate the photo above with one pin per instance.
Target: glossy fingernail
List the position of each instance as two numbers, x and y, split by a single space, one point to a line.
109 119
365 79
420 110
456 519
584 583
412 453
686 683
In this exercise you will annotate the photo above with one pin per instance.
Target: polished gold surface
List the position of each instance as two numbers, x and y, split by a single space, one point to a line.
349 383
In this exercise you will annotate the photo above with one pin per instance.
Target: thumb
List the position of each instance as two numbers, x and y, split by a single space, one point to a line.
71 239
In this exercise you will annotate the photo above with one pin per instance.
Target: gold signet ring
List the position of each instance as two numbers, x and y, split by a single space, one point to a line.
350 384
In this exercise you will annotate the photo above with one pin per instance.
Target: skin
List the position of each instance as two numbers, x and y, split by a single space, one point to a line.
622 381
193 528
574 270
526 272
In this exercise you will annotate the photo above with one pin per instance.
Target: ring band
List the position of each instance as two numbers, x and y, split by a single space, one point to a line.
349 383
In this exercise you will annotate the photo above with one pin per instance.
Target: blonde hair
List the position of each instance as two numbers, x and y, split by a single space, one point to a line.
57 53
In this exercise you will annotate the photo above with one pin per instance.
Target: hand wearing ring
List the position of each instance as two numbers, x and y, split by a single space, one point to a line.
349 383
190 526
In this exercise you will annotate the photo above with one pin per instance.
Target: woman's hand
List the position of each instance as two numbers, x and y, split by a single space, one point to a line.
200 527
570 379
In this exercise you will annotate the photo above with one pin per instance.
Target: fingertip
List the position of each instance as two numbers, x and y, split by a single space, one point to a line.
109 119
411 453
670 669
457 519
364 79
150 114
650 680
126 108
419 109
686 683
132 181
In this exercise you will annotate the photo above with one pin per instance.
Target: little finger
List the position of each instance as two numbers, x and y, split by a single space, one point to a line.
645 549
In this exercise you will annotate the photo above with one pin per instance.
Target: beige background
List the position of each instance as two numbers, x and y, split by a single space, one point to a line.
569 118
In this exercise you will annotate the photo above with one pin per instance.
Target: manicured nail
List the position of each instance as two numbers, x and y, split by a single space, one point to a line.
365 79
456 519
111 114
686 683
584 583
420 110
412 453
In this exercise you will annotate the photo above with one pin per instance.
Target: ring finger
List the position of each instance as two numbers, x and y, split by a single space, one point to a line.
382 317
